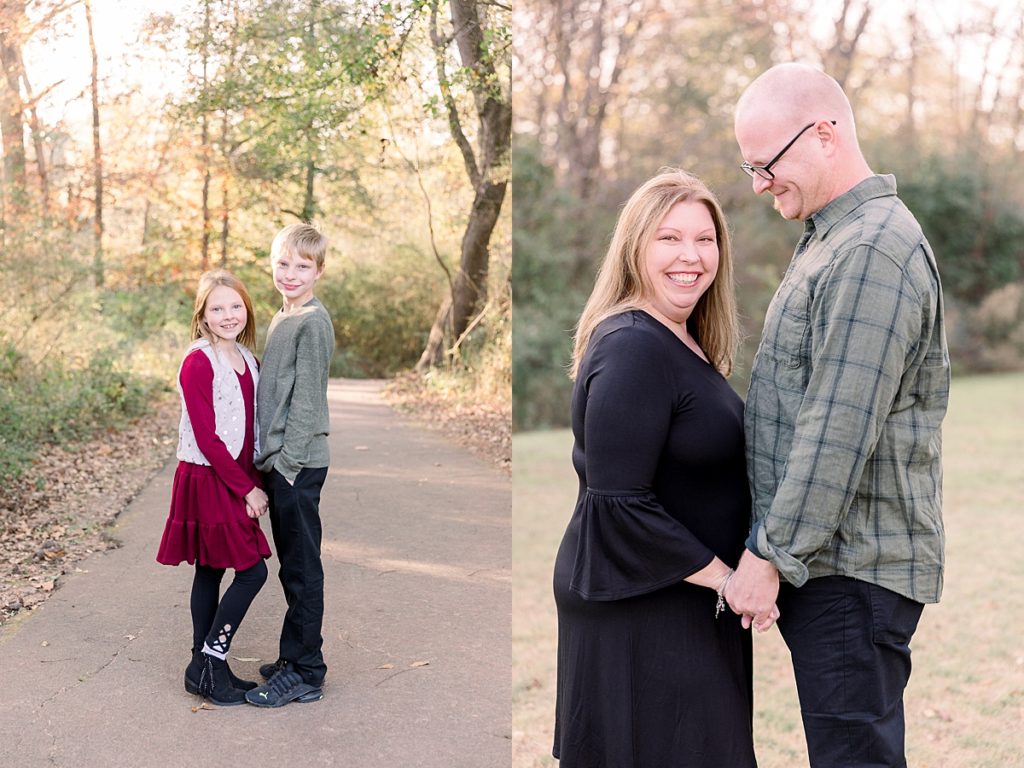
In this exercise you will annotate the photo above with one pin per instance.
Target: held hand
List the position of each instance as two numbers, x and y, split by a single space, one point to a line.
767 624
752 590
256 502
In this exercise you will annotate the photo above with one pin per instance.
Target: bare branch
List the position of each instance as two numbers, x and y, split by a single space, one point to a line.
454 122
453 350
415 168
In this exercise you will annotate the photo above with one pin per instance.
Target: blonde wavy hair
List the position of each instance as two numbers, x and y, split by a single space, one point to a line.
622 283
207 282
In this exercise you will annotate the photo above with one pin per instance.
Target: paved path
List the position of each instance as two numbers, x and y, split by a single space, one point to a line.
417 556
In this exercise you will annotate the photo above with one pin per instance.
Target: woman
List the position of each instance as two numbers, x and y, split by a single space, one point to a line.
651 673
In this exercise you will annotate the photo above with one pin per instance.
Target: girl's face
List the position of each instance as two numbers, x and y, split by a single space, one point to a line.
682 260
225 313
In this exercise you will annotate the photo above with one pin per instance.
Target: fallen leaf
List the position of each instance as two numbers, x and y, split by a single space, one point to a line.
420 664
386 666
204 705
244 658
55 515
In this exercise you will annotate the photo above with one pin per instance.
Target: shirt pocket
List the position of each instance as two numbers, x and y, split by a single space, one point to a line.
786 335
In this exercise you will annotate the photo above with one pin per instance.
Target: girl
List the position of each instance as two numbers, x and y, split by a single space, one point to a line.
216 498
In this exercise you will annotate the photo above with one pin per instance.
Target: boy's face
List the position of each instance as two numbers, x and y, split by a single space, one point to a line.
295 277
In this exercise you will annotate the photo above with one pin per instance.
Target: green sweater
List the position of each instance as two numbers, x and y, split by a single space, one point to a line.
291 401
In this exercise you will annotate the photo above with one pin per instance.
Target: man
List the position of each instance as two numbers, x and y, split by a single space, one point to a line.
847 394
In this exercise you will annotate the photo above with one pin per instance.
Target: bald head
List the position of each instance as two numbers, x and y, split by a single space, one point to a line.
795 123
794 94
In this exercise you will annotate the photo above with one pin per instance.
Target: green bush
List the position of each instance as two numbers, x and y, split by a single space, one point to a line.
143 311
50 402
973 222
542 351
549 290
382 313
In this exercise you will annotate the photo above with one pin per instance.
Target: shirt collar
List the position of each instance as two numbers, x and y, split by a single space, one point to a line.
820 222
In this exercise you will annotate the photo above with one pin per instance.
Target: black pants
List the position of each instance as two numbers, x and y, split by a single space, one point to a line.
211 613
295 523
850 643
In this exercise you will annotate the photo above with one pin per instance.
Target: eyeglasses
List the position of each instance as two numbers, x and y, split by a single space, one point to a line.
765 171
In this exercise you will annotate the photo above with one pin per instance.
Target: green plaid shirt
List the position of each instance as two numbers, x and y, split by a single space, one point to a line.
847 394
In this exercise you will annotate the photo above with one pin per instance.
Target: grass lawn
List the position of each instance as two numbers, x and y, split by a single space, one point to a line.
965 701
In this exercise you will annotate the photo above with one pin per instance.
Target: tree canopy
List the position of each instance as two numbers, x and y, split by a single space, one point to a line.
608 91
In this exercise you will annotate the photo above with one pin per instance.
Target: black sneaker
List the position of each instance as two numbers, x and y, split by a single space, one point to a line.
267 671
285 686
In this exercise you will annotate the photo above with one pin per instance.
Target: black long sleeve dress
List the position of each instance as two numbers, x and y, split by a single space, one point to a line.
647 676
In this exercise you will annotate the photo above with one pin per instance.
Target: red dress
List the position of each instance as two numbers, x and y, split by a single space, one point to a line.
207 522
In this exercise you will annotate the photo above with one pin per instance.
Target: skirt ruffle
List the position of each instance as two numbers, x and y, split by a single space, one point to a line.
208 524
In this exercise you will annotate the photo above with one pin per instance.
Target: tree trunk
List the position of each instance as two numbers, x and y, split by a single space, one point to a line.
37 143
469 289
225 208
12 120
309 198
589 67
977 108
225 224
434 352
910 123
97 156
840 57
205 141
1018 109
152 182
487 171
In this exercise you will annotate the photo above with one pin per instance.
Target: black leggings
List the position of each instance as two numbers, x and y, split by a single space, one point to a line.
215 622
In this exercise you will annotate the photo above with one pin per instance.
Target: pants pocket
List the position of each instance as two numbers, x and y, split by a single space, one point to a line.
894 617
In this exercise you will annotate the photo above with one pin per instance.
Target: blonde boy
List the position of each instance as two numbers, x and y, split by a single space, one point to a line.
294 423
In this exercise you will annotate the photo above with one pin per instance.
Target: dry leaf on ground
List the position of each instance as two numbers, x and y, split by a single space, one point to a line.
60 510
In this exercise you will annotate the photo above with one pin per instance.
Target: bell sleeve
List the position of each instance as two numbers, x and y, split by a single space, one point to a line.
629 544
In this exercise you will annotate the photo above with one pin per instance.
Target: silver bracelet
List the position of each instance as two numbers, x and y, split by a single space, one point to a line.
720 605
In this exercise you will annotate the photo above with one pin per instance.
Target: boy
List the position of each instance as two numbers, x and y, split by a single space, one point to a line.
291 401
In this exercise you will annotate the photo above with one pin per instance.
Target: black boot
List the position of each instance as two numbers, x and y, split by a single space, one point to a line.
215 684
193 672
195 669
239 683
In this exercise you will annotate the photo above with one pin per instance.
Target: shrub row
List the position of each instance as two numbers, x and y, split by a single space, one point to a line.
52 402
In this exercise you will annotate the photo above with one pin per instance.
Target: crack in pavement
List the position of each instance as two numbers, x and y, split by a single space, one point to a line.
86 677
